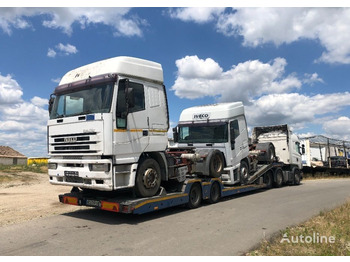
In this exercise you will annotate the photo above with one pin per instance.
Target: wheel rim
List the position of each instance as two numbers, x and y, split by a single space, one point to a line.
150 178
217 163
244 172
215 192
268 180
279 178
195 196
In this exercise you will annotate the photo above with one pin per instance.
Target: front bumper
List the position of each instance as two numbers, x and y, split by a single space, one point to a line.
77 173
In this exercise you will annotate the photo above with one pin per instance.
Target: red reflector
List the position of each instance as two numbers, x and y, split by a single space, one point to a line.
110 206
70 200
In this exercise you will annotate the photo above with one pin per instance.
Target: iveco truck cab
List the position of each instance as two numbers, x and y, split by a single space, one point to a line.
106 119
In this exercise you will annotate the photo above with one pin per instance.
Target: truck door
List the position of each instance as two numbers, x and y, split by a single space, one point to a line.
238 140
131 133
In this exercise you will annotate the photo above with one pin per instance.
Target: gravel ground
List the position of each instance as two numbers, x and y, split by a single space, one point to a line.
28 196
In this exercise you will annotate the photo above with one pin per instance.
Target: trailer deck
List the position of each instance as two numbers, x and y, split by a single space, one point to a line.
131 205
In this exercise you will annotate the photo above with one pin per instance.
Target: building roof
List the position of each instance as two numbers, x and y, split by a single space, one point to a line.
6 151
324 141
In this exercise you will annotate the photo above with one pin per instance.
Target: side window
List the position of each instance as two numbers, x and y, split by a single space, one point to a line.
139 97
297 147
234 132
234 129
138 103
121 105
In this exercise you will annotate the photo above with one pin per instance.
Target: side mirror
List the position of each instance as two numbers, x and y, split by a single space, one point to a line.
51 101
129 95
302 149
175 135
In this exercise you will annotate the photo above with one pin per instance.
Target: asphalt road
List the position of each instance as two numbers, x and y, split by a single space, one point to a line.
230 227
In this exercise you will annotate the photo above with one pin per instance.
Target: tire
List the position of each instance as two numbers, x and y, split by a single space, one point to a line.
278 178
148 178
296 177
244 173
268 179
195 196
215 193
269 155
216 164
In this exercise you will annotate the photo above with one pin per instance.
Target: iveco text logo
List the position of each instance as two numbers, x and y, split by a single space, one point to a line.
201 116
70 139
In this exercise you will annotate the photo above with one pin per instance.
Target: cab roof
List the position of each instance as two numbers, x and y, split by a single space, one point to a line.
121 65
220 111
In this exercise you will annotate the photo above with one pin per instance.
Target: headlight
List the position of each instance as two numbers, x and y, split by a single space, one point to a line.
99 167
52 165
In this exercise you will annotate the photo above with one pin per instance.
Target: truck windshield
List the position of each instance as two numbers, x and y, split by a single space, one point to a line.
94 99
203 133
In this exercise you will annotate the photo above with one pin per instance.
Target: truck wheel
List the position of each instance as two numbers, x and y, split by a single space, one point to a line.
268 179
148 178
296 177
244 173
269 155
215 193
195 196
216 164
278 177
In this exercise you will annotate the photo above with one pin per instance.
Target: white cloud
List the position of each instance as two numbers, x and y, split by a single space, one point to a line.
328 26
22 123
67 49
338 128
311 79
56 80
51 53
294 109
198 78
196 14
64 18
38 101
14 18
193 67
63 50
10 91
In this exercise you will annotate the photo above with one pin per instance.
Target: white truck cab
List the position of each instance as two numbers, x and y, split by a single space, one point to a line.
105 117
219 126
287 144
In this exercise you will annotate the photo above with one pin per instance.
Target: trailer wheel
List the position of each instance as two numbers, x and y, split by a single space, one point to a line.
244 172
195 196
216 164
268 179
296 176
215 193
148 178
278 177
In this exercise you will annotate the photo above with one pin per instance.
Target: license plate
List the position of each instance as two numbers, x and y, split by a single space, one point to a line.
71 173
93 203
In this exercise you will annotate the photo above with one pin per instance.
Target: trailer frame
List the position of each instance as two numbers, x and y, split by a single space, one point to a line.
128 203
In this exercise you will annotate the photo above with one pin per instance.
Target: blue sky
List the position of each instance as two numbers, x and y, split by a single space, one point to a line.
288 65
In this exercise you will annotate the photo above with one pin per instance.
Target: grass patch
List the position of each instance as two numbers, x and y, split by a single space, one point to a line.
10 178
312 238
24 168
15 174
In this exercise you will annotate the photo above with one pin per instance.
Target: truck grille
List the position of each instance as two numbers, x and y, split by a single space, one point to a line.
82 143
